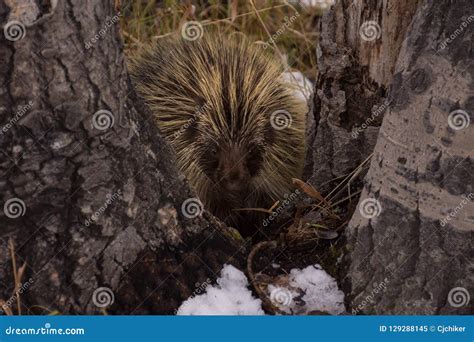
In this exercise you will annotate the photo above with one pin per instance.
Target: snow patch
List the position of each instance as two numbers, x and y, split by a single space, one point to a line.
321 290
230 296
301 292
307 291
302 86
321 4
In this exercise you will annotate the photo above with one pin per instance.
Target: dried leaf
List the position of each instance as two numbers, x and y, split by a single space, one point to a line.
327 234
309 190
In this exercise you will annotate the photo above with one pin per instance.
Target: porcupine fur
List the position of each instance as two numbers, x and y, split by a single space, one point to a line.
213 100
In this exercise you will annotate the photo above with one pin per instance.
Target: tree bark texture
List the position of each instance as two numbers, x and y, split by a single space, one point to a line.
358 47
403 235
91 200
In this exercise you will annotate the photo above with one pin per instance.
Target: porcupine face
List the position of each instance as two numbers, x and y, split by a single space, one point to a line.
231 158
232 166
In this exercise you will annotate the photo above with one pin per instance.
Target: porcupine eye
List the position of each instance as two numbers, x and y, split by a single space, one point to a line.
209 161
254 160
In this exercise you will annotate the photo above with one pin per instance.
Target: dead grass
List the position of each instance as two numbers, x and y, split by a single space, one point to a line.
17 278
143 21
18 274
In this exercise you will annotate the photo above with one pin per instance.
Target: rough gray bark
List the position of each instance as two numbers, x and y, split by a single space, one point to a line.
52 158
353 77
421 171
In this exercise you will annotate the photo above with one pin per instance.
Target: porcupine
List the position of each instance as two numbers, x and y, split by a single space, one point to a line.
236 126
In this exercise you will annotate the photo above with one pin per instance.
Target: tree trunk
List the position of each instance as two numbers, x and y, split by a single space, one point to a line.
398 261
403 234
358 48
92 201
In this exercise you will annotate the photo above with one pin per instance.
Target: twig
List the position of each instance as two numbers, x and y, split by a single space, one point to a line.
348 177
15 275
266 302
266 29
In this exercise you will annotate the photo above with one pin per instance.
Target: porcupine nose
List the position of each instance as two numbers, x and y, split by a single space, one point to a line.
233 181
233 171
